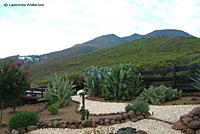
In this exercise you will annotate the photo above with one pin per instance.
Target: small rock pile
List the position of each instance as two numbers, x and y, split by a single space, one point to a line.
189 123
125 117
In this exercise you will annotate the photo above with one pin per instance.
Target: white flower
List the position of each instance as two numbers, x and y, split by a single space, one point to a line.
81 92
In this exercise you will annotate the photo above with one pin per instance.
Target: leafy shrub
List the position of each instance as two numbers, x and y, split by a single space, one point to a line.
122 82
94 78
52 109
196 80
59 90
158 95
138 106
23 119
78 80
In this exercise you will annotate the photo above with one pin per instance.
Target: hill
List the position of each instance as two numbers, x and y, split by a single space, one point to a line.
95 44
146 54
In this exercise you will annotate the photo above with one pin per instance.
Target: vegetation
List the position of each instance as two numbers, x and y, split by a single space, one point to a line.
158 95
23 119
196 80
146 54
59 90
138 106
53 108
122 83
94 78
14 81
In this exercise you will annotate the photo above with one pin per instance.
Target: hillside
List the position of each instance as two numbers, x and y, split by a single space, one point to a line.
147 53
100 42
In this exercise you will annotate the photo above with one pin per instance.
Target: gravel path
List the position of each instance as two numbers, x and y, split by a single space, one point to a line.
169 113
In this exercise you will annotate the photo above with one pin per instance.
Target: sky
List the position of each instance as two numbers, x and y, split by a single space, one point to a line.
60 24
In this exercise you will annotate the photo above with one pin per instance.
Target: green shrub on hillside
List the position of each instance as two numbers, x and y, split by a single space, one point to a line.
138 106
59 90
158 95
94 78
23 119
122 83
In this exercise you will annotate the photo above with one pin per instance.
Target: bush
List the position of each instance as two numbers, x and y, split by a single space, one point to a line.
59 90
122 83
94 78
52 109
196 80
138 106
158 95
78 80
23 119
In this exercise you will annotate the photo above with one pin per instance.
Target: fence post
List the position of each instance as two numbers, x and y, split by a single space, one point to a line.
174 76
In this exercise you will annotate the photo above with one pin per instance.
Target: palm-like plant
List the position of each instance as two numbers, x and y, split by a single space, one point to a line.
196 80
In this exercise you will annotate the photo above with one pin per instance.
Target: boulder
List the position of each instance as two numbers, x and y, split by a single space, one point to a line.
187 131
125 116
87 123
14 131
106 121
72 126
198 131
194 124
131 114
127 130
112 122
186 120
178 125
32 127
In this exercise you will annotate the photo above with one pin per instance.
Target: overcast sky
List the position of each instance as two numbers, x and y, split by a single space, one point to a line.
60 24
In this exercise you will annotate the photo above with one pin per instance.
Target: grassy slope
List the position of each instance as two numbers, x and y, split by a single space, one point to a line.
147 54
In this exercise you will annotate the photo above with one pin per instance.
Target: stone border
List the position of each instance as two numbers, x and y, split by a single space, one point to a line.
121 117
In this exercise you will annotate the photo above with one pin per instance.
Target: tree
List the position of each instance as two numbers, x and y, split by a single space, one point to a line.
14 81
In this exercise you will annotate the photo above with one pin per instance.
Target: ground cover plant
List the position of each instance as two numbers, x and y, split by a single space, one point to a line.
59 93
23 119
122 83
159 95
14 81
138 106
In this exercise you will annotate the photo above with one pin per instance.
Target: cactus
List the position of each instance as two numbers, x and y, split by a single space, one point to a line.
122 82
94 77
60 90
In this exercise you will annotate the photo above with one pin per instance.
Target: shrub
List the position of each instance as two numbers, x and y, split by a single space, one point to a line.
196 80
23 119
94 78
78 80
122 82
59 90
138 106
52 109
158 95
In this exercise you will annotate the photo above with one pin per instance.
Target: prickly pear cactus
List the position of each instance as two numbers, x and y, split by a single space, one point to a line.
122 83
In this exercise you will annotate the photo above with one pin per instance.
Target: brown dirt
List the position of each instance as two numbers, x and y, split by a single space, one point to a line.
68 112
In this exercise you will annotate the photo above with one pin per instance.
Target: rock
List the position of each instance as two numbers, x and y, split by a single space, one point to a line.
138 113
94 124
178 125
14 131
131 114
50 124
101 122
22 128
196 111
22 131
127 130
122 121
106 121
125 116
141 132
55 124
198 131
72 126
80 126
196 118
87 123
134 119
194 124
32 127
119 117
140 117
96 121
63 125
186 120
112 122
187 131
118 122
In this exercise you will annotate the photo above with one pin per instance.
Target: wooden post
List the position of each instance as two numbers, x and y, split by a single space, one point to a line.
1 113
174 76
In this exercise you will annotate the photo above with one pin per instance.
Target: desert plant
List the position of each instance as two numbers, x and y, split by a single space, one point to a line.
52 109
59 90
196 80
122 83
23 119
158 95
94 78
138 106
14 81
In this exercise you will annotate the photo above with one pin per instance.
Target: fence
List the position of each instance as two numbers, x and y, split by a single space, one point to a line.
187 87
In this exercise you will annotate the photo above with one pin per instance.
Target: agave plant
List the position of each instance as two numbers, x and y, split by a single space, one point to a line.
60 90
196 80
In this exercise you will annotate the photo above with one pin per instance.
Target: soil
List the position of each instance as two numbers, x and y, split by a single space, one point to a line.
69 112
